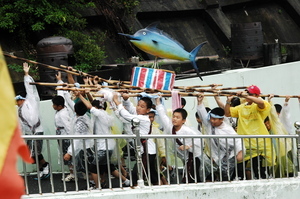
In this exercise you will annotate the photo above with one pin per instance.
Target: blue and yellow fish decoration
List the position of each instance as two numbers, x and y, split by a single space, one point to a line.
155 42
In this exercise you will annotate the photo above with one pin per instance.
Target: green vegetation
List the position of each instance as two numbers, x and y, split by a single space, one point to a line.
227 50
28 21
87 49
283 50
19 69
120 60
127 5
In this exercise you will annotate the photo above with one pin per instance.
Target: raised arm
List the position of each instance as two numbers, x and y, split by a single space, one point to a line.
227 106
86 102
217 98
165 120
128 104
285 116
122 111
255 99
70 76
31 90
202 111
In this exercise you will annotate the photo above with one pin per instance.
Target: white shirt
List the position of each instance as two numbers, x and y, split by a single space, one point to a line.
63 120
102 122
30 108
129 114
184 130
69 103
219 149
81 126
285 119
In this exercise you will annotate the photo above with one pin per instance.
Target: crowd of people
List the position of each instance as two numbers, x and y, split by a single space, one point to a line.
203 160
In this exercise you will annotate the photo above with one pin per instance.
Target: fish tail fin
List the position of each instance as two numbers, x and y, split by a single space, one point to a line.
193 55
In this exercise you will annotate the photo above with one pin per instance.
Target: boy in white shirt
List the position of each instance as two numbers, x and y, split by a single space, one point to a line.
102 123
187 149
141 113
62 122
28 112
223 151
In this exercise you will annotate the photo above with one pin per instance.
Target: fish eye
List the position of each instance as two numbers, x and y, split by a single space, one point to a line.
144 33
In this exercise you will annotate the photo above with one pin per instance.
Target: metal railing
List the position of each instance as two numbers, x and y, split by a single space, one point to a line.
175 168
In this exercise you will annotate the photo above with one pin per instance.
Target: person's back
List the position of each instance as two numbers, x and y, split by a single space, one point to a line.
102 122
81 125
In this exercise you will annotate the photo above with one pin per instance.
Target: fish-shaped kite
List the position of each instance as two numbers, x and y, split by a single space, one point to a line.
155 42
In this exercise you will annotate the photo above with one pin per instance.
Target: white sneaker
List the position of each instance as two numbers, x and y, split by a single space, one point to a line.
126 183
44 172
69 178
83 175
93 188
92 182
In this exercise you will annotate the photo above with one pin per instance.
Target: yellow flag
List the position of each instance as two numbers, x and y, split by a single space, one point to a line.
8 121
11 143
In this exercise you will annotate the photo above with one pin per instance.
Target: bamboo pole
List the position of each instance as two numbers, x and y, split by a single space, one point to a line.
162 95
191 87
73 71
164 92
283 96
100 78
45 65
74 89
76 71
70 85
232 88
50 84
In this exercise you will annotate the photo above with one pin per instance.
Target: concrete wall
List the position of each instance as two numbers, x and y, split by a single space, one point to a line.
279 188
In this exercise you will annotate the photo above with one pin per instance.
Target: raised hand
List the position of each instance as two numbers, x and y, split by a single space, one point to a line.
26 68
58 76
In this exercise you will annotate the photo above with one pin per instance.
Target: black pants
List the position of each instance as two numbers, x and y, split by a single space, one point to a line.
257 168
190 174
153 170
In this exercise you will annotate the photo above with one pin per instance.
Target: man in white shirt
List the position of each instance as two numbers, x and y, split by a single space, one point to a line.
223 151
28 112
186 148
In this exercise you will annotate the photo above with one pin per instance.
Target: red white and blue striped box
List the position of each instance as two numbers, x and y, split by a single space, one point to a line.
152 78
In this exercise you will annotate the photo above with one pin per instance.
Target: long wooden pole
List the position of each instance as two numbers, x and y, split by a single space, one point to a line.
191 87
73 71
45 65
70 85
100 78
232 88
129 89
163 95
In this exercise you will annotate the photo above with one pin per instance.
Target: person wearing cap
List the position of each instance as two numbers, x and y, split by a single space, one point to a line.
251 116
222 151
28 112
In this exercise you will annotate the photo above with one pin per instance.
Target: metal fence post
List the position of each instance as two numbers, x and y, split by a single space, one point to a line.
136 131
297 126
